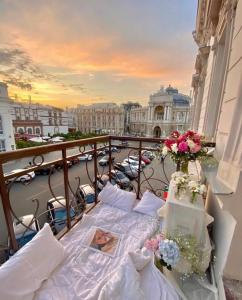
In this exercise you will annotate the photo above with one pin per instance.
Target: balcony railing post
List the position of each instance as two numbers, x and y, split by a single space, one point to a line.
139 171
65 170
110 158
7 210
95 170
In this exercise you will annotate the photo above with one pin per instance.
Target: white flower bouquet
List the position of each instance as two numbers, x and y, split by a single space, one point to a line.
196 189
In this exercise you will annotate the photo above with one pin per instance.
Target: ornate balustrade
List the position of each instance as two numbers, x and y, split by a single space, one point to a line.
154 178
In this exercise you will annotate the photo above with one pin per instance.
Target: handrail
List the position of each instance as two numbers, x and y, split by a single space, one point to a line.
63 159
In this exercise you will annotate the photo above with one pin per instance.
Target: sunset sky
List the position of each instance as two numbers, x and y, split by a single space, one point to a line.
84 51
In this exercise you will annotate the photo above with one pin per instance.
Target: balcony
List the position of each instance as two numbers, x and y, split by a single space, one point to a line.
69 173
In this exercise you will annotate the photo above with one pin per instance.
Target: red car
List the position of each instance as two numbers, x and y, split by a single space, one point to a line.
145 160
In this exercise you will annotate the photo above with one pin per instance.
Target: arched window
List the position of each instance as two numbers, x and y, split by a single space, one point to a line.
159 112
20 130
37 130
29 130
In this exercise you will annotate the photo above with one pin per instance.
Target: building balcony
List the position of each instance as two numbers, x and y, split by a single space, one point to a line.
59 183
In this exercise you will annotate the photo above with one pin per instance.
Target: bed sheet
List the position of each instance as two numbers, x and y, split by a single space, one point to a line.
84 268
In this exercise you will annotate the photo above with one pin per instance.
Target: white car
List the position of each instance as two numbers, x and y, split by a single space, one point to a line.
26 177
136 159
85 157
133 164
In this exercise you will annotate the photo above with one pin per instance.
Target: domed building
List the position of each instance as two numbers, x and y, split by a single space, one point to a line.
167 110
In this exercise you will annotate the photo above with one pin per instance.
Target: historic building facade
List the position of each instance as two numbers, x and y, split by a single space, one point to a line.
217 113
37 119
101 118
167 110
7 141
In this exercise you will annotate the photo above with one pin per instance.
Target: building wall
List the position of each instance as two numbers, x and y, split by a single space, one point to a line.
167 111
219 25
101 118
38 119
7 142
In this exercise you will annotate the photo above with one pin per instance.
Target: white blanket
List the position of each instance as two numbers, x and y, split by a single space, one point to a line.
136 279
84 269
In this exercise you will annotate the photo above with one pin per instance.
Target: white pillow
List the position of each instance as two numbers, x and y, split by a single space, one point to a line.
116 197
24 272
149 204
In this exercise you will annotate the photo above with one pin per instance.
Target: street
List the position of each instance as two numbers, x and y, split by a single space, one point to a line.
21 195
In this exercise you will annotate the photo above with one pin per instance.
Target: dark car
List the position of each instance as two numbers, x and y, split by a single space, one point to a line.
45 170
101 153
74 160
102 181
59 165
120 179
125 168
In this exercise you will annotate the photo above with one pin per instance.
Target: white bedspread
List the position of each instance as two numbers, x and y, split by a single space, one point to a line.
84 269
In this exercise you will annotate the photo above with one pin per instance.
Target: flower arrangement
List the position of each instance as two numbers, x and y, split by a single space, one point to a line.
177 251
180 180
196 189
190 252
169 252
166 250
184 147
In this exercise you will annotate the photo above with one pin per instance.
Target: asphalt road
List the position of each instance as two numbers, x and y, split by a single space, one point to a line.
21 195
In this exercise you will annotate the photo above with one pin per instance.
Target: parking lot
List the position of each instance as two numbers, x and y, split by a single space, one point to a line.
21 195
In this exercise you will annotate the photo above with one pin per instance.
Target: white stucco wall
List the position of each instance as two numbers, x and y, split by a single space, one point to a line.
5 113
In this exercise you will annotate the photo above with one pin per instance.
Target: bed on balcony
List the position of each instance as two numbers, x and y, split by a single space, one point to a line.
82 271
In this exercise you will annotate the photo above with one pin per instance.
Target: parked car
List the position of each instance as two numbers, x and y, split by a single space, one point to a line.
85 157
123 144
145 159
104 161
59 165
120 178
114 149
101 153
74 160
57 215
148 154
87 193
135 158
133 163
22 178
24 234
156 146
102 181
45 170
127 169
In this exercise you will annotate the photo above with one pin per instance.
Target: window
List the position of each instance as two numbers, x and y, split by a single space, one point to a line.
37 130
29 130
50 121
2 145
20 130
1 125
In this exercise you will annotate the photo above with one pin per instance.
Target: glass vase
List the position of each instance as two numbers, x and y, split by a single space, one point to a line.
182 166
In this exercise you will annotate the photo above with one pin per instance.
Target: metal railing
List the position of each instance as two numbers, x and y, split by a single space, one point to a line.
74 203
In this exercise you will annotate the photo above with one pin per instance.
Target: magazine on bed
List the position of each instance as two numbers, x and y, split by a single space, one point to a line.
102 240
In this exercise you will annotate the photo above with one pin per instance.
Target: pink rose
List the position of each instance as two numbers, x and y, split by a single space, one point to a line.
197 138
183 147
169 143
196 148
182 138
